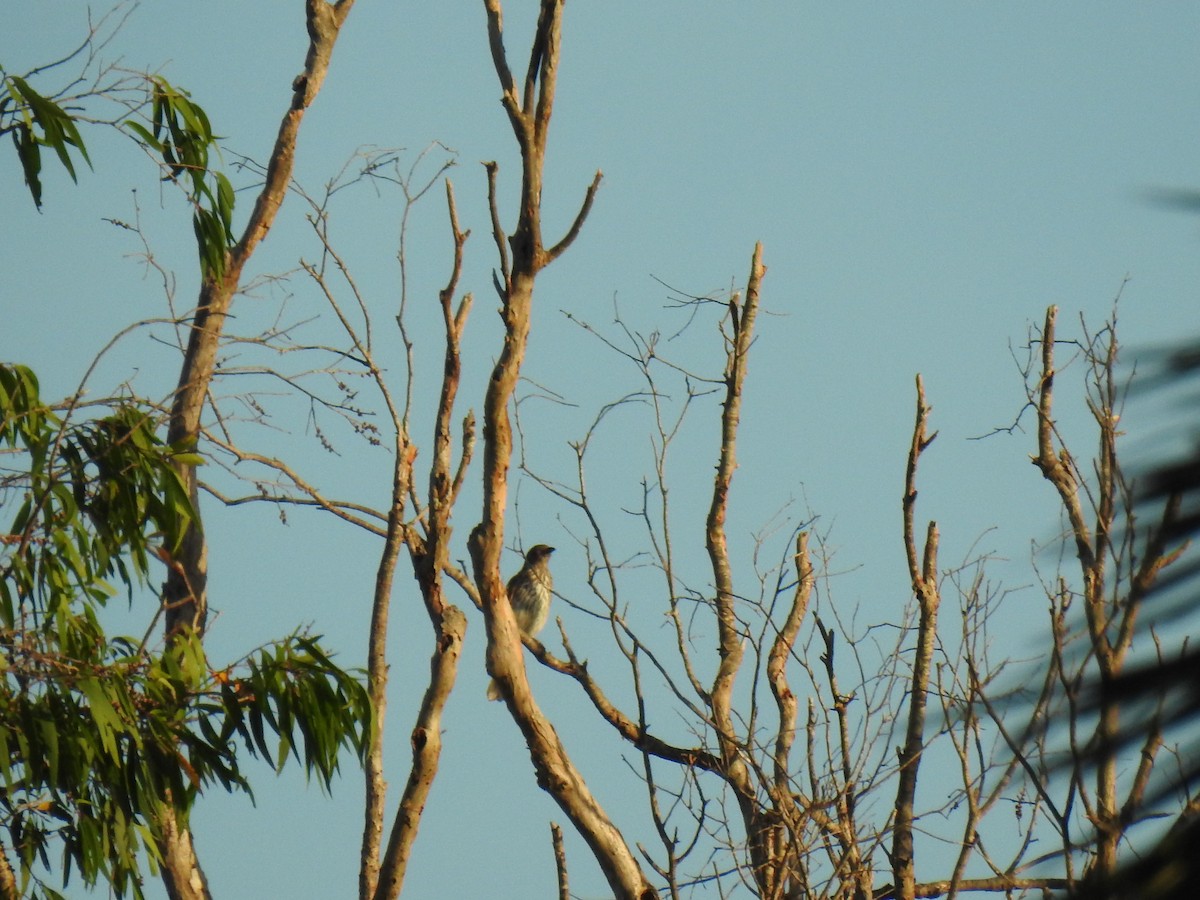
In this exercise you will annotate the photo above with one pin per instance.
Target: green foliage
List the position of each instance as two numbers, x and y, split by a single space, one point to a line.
180 133
280 688
35 122
99 735
177 131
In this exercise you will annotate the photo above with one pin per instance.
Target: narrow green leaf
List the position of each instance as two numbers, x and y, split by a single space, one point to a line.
58 128
144 136
31 160
50 747
103 715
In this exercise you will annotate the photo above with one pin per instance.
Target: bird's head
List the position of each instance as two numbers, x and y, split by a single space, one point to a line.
538 553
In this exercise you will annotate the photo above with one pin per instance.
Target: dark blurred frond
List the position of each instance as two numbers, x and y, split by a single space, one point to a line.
1163 695
1170 871
1181 199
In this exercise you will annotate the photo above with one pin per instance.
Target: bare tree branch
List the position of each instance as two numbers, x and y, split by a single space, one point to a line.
555 771
924 577
430 558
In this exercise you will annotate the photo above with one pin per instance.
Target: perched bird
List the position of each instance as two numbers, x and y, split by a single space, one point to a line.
529 594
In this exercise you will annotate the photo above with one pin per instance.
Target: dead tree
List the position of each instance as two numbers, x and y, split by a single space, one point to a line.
522 257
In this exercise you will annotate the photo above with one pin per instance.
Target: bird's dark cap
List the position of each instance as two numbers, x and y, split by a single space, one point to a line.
538 550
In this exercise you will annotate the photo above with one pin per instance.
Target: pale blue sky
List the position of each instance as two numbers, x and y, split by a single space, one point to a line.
925 178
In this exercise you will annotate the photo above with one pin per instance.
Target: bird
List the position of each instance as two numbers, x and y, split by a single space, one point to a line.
529 595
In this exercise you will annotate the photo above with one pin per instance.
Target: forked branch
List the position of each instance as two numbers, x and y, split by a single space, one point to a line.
924 575
555 771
